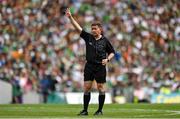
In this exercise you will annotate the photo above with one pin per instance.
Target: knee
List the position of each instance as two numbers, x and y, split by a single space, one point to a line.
100 88
87 88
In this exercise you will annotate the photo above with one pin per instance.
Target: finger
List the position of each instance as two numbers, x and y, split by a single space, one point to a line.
103 62
68 10
44 3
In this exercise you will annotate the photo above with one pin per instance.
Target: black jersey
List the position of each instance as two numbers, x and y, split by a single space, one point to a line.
96 50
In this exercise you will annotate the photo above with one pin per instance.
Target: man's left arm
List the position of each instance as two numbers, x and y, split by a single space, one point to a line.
110 50
105 61
110 56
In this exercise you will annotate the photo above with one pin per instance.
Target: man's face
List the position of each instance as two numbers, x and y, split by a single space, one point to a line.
96 31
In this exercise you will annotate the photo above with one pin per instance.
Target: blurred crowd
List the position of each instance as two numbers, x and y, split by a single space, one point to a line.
41 51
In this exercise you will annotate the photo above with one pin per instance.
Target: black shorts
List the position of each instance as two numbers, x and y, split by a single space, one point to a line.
95 71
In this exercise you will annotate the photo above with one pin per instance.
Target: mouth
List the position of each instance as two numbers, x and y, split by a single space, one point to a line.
94 33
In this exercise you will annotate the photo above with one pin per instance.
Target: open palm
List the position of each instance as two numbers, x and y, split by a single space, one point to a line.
68 13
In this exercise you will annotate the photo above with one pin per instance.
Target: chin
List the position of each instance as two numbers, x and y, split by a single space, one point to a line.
95 35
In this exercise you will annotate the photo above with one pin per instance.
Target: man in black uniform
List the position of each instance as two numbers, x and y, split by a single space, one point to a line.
99 52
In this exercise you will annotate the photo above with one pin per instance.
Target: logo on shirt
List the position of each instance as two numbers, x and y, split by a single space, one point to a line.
90 43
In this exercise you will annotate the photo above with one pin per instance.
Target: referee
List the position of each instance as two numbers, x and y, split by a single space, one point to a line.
99 52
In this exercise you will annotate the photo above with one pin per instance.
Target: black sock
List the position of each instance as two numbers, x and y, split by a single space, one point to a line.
101 101
87 97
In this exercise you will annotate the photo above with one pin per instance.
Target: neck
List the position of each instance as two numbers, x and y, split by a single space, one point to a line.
98 37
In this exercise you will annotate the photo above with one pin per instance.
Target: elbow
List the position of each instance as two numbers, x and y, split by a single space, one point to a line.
79 30
113 54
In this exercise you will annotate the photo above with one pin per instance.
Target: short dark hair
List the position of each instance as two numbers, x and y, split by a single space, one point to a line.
97 23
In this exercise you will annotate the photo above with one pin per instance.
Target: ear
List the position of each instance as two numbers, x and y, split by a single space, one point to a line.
101 30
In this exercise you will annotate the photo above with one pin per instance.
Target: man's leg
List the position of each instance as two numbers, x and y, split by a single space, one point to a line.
87 94
86 97
101 89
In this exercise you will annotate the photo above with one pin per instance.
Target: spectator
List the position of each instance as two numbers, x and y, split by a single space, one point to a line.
145 34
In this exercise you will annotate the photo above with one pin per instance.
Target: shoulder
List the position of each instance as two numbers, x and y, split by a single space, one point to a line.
107 41
85 35
83 32
105 38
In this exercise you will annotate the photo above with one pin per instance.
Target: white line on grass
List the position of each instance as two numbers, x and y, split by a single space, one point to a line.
161 112
76 118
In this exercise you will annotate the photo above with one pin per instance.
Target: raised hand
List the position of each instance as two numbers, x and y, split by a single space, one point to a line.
74 22
44 3
68 12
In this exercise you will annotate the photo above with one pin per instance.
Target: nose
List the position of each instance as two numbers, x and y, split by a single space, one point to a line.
93 31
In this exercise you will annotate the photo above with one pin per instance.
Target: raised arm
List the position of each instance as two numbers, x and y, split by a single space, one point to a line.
73 21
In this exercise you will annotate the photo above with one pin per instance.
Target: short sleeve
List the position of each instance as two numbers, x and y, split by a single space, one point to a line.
109 47
85 35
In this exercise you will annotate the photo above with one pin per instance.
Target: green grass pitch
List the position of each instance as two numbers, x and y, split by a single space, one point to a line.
55 111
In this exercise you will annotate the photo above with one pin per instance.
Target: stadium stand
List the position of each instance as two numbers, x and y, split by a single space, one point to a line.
39 52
